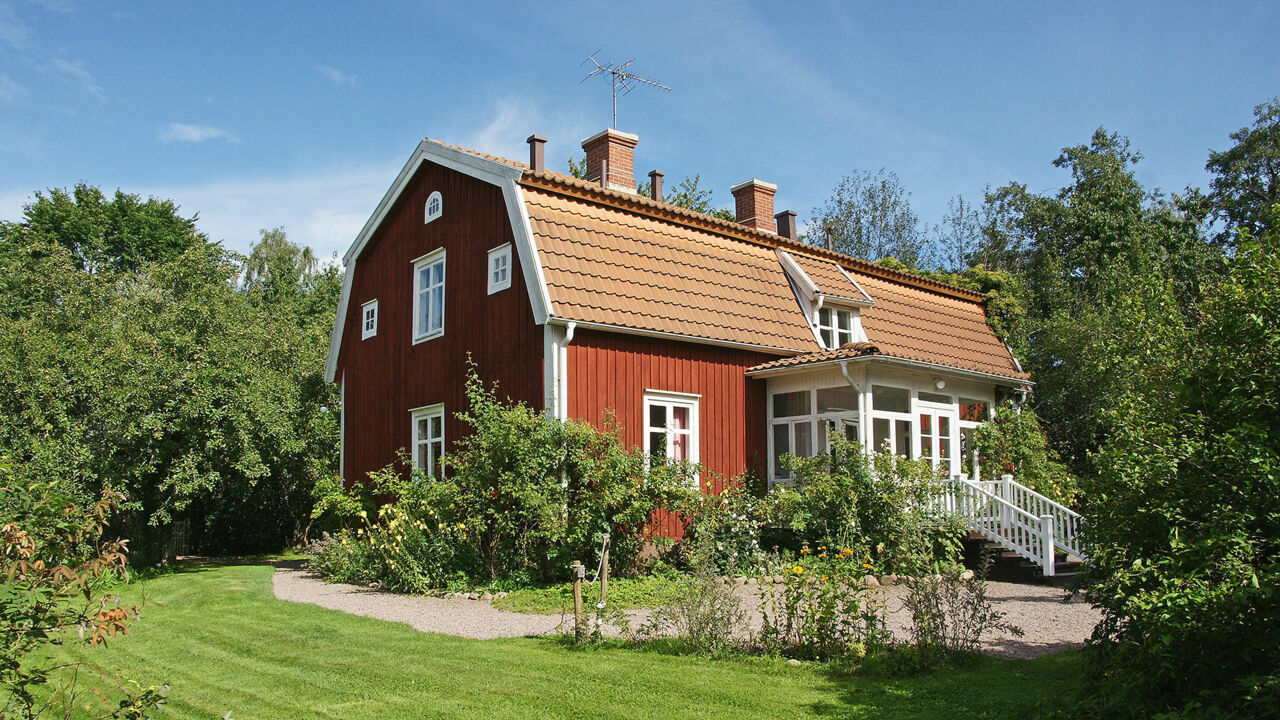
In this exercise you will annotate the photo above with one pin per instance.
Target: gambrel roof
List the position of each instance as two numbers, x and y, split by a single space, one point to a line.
619 261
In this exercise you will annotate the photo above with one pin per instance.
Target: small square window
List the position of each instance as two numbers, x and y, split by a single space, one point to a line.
500 268
369 327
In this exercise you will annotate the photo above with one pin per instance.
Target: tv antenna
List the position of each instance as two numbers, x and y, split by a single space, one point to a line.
619 79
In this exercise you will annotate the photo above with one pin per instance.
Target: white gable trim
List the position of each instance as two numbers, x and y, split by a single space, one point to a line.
497 173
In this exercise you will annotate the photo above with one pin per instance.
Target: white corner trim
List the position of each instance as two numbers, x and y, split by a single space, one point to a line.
493 172
530 263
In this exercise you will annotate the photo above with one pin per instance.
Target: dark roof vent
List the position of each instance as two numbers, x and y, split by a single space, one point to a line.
786 224
537 153
655 185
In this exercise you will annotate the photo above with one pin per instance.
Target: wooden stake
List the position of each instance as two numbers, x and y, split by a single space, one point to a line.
579 572
604 572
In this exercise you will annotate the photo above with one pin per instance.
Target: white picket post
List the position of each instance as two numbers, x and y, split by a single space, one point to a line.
1047 544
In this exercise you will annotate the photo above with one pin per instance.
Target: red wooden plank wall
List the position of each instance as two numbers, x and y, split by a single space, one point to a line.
611 371
387 375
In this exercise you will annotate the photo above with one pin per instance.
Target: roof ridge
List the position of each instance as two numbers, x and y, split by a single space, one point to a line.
726 227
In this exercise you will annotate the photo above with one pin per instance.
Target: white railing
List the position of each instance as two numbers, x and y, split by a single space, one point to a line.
1000 521
1066 522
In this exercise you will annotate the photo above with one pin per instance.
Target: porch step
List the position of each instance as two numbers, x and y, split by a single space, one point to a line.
1012 567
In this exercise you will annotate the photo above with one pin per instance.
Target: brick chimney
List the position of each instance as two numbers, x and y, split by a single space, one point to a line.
611 153
753 201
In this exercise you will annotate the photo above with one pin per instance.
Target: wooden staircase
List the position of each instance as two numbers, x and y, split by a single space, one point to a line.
1034 537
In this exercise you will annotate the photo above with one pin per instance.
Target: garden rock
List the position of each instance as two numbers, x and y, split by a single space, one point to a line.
966 575
487 596
888 580
793 662
870 581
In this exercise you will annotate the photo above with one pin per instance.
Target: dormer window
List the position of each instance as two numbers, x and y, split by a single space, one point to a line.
435 207
500 268
835 327
370 314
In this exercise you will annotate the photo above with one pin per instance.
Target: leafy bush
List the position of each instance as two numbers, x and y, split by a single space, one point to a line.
703 614
522 496
880 503
55 568
1013 443
1184 517
725 529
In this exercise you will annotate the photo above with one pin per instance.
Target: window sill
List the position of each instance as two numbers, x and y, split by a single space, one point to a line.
428 336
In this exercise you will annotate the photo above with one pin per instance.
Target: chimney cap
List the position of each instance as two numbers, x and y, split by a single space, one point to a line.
754 181
536 138
626 138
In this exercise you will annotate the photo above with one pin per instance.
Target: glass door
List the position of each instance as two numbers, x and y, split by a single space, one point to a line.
937 439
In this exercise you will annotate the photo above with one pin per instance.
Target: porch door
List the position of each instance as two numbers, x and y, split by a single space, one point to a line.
938 439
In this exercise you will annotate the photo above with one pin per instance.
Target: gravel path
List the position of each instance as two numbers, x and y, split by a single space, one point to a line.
1049 624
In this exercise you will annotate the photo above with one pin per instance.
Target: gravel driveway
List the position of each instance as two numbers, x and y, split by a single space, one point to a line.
1050 624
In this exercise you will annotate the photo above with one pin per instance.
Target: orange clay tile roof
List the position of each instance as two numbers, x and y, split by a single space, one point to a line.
844 352
829 278
621 259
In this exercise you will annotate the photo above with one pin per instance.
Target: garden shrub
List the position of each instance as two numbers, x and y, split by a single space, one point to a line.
1013 443
722 531
704 614
880 502
56 570
521 497
950 612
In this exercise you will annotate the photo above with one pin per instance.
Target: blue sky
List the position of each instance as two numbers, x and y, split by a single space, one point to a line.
257 114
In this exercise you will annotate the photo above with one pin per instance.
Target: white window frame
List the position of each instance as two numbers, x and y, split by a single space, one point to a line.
433 455
892 418
424 262
818 422
369 319
671 400
936 412
970 427
839 336
502 255
438 200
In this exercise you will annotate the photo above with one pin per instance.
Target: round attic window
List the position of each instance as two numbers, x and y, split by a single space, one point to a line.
435 207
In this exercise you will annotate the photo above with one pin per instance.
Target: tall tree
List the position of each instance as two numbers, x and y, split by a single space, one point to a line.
120 233
957 237
276 266
869 216
1246 181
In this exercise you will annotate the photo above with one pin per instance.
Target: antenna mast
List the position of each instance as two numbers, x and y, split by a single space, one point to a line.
619 78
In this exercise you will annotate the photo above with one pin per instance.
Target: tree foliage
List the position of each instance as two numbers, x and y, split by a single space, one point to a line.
1246 181
869 216
198 401
1184 515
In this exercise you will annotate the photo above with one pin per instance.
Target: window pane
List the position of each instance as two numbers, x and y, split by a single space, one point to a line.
944 437
843 320
657 416
890 399
844 337
791 404
879 434
973 410
420 456
902 430
827 341
925 451
838 399
935 398
851 432
658 445
824 317
825 427
680 446
423 433
437 452
680 417
437 273
804 439
926 427
436 424
781 446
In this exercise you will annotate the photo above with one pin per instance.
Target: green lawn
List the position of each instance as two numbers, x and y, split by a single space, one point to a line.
223 643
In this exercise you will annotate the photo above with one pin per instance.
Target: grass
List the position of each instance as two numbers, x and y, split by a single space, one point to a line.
218 637
624 594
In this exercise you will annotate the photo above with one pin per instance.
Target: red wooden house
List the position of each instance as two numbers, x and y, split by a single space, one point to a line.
725 343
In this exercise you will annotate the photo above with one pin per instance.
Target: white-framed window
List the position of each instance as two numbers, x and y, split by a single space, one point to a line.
369 325
835 327
803 423
891 425
428 296
428 437
499 268
671 426
434 207
973 412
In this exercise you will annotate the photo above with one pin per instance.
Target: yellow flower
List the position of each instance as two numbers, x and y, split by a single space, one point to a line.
824 578
846 551
804 551
822 555
866 565
797 570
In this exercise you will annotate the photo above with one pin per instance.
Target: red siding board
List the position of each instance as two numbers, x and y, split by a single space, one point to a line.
387 375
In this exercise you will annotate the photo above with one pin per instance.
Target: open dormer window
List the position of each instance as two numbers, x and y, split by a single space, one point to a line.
835 327
435 207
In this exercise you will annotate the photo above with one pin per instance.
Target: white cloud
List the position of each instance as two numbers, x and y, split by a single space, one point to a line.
513 119
343 80
183 132
10 89
77 71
